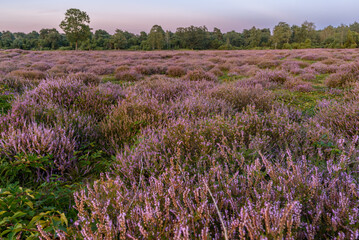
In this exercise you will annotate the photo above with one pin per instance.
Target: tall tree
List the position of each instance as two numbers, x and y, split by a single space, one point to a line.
7 39
281 34
49 38
156 37
194 37
75 25
118 40
102 39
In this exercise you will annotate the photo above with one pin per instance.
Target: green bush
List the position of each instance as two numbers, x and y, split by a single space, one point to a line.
24 216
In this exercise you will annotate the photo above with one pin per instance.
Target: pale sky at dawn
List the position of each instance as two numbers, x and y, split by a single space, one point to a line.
138 15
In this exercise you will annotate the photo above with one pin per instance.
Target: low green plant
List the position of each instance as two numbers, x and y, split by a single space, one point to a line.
23 168
23 216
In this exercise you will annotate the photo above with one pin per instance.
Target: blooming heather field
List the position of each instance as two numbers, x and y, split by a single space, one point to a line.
179 145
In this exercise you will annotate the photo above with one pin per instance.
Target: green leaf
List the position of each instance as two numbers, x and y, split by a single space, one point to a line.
18 214
64 219
30 204
34 220
5 232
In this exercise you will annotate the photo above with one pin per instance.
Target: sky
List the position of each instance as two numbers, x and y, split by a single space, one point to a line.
140 15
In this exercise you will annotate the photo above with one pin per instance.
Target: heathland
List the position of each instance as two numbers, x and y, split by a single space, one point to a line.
255 144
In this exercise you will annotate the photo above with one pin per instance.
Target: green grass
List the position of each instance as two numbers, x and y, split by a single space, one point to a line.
226 78
304 60
5 100
304 101
112 79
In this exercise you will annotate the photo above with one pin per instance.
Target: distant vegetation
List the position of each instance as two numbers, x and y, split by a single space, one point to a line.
283 36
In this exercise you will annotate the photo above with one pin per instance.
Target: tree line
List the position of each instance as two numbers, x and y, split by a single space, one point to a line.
78 34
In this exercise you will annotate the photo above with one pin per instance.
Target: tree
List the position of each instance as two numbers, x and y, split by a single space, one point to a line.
156 38
350 41
118 40
49 38
194 37
234 38
252 37
7 39
102 39
75 25
281 34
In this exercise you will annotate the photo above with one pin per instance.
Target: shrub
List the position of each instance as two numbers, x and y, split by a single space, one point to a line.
102 70
150 70
123 68
23 215
313 57
232 199
176 71
42 141
298 85
87 78
346 74
17 84
27 74
341 118
127 119
199 105
323 68
241 96
268 64
69 94
308 76
164 89
198 75
277 76
130 76
216 71
41 66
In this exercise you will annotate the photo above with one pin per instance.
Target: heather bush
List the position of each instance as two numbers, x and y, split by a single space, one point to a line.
7 66
70 94
313 57
241 96
216 71
323 68
224 67
291 199
122 68
58 70
28 74
276 76
198 75
164 89
102 70
130 76
87 78
345 75
295 67
194 141
41 141
340 118
199 105
41 66
308 76
17 84
298 85
127 119
150 69
268 64
176 71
